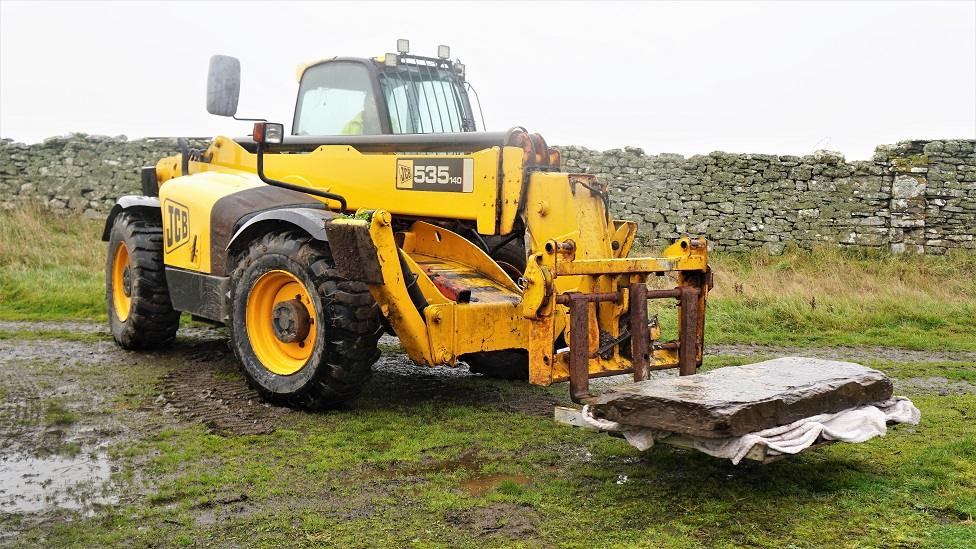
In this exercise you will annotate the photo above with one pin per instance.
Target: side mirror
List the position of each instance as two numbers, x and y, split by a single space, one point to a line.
223 85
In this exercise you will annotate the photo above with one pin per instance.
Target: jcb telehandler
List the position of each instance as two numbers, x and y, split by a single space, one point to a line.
386 210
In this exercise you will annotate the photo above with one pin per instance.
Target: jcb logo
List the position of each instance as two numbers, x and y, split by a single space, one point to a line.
177 221
405 176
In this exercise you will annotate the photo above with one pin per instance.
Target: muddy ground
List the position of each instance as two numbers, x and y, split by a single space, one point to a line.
68 395
64 403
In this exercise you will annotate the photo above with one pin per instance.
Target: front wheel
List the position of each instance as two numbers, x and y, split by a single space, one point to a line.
305 337
140 312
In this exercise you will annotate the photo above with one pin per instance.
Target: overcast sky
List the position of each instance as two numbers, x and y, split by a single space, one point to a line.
690 78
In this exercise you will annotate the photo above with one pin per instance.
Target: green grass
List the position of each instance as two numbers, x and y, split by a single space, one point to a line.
70 449
923 325
51 293
831 296
56 414
51 267
391 473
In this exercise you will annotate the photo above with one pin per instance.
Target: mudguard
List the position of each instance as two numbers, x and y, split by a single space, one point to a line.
146 204
312 220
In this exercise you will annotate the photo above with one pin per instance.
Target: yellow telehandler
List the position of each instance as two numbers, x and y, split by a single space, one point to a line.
385 210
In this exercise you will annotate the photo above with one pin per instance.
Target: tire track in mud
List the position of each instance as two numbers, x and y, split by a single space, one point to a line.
201 382
32 378
21 409
205 385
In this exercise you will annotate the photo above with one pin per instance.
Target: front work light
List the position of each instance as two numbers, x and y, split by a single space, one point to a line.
268 132
390 60
403 45
443 52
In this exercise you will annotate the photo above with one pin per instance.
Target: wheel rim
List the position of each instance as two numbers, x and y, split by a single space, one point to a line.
269 292
121 282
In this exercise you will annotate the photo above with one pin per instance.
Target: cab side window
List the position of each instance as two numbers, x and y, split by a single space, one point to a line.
336 99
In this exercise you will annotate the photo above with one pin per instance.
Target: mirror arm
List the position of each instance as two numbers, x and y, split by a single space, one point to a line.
307 190
184 155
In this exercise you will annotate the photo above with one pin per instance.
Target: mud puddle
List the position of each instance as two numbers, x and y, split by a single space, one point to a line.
78 483
480 485
64 402
496 519
470 462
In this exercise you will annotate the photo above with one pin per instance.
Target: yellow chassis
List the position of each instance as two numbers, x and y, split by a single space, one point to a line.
579 277
578 262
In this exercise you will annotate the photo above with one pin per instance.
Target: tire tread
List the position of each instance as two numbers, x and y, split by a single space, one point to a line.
351 351
152 321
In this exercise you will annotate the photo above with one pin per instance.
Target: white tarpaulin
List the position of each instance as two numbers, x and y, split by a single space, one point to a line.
853 425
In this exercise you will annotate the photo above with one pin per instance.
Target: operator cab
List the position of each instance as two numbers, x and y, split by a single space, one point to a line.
397 93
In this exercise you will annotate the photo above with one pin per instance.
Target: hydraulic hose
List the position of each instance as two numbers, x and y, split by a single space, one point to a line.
413 289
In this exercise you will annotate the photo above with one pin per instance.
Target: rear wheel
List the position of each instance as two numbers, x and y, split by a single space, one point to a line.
510 363
305 336
140 313
510 256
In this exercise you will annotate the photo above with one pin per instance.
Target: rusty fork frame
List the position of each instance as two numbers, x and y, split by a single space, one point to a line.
640 344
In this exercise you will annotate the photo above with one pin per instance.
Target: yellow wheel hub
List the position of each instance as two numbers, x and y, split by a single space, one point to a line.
121 282
280 321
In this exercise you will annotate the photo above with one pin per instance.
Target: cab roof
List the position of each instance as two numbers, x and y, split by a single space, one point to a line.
305 66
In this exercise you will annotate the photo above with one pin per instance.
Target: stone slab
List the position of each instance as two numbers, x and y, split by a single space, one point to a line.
737 400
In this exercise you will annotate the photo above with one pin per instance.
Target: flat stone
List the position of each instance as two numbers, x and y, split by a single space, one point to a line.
737 400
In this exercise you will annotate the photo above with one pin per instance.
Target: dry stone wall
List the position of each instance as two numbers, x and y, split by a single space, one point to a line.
915 196
80 173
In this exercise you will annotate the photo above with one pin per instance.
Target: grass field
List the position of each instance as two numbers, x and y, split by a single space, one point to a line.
51 268
431 461
433 458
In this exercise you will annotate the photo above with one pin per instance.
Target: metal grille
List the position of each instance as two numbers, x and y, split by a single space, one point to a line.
425 97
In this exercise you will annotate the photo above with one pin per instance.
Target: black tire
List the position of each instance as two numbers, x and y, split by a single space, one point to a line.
347 324
511 256
151 321
511 364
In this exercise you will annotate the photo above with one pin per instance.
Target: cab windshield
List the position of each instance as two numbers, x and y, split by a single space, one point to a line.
336 99
425 99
